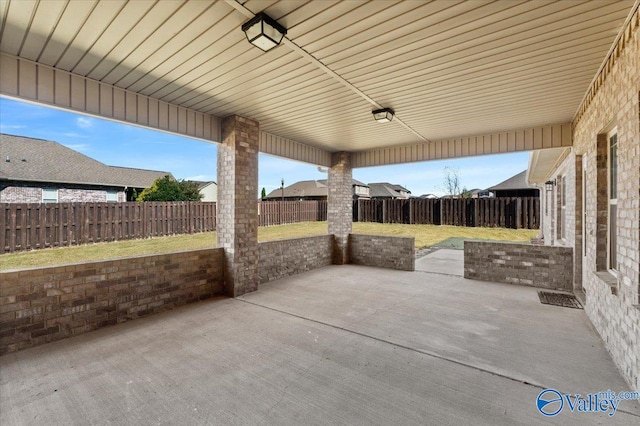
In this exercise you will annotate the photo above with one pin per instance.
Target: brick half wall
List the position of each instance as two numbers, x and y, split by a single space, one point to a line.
382 251
46 304
282 258
531 265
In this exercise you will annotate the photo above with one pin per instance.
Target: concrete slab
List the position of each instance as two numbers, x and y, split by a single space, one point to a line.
340 345
443 261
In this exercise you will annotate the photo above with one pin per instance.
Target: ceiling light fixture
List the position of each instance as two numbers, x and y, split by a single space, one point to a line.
383 115
263 31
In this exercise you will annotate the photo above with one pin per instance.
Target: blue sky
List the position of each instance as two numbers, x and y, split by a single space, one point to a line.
122 145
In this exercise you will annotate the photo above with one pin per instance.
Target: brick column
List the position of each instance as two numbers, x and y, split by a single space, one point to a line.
237 207
340 204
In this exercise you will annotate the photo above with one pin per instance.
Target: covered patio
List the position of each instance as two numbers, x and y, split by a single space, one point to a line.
337 345
341 343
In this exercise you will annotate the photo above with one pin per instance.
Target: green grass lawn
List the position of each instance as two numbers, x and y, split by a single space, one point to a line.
425 235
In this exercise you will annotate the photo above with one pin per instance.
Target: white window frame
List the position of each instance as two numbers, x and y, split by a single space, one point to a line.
612 201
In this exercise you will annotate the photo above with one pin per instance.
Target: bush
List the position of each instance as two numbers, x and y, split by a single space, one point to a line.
169 189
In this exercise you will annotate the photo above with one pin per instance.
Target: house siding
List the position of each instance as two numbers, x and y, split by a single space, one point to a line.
209 192
612 302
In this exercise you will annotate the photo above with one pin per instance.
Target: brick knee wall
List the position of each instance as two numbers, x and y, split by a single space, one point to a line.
382 251
537 266
46 304
278 259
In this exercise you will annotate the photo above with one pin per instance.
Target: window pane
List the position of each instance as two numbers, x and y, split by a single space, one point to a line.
49 195
613 166
613 240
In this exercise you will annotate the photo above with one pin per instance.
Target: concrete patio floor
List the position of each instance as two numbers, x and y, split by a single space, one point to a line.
339 345
442 261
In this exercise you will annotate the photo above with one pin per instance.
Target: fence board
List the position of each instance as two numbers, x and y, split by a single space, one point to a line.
29 226
36 226
493 212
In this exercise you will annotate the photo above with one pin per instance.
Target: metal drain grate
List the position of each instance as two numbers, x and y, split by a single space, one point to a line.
559 299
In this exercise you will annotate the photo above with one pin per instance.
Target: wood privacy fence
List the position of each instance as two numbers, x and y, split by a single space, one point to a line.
507 212
36 226
282 212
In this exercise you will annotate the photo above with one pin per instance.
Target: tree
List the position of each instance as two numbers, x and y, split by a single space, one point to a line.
168 189
451 181
263 194
190 190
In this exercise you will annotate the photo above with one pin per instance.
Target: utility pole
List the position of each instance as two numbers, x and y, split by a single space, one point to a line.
282 187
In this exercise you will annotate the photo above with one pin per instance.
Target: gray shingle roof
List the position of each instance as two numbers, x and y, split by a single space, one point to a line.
306 188
39 160
355 182
386 190
303 188
518 181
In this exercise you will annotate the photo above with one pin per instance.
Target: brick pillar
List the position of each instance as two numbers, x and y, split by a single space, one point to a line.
237 207
340 204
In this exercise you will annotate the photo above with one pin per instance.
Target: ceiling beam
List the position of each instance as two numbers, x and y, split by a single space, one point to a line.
542 137
31 81
287 148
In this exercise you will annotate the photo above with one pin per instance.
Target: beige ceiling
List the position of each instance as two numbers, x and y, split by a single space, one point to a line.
448 68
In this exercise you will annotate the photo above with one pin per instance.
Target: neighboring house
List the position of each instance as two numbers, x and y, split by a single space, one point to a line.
208 190
515 186
388 190
36 170
479 193
313 190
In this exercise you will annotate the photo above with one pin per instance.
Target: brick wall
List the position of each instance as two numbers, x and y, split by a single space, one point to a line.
26 194
283 258
570 169
46 304
382 251
68 195
20 194
613 302
537 266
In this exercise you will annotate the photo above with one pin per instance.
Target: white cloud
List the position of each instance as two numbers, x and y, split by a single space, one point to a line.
202 178
5 127
84 122
73 135
81 147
